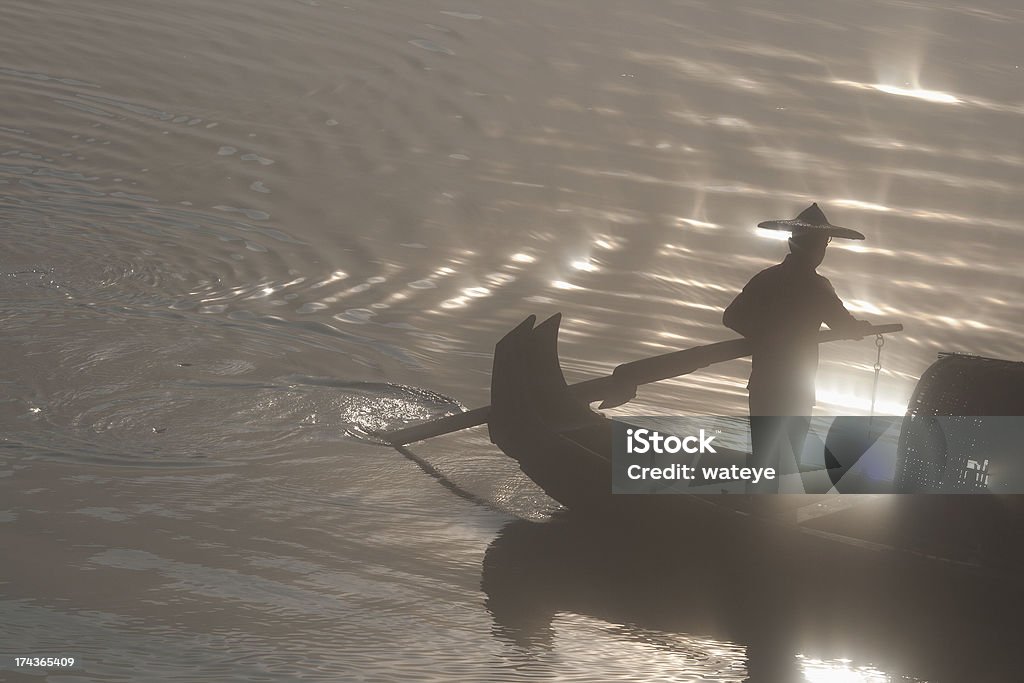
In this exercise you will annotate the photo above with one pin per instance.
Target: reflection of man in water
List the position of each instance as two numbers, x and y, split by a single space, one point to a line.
781 310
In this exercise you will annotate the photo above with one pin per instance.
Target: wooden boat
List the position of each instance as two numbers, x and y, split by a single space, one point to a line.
565 448
558 441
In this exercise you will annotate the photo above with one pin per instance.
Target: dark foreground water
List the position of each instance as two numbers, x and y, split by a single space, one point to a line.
234 234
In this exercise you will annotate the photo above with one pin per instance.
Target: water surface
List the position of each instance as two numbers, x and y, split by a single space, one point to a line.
236 234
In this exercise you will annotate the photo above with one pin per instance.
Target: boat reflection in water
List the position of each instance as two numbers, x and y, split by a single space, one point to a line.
794 601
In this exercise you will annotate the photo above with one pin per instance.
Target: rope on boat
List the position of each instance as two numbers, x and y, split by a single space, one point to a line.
879 343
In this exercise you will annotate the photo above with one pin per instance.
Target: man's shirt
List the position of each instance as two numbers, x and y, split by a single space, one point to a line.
781 310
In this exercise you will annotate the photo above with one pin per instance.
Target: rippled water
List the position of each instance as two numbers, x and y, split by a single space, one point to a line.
237 235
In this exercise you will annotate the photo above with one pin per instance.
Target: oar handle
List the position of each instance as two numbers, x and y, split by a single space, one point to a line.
438 427
675 363
622 383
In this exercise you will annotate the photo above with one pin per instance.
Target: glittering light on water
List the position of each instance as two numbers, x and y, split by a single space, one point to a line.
260 293
523 258
850 402
859 248
918 93
779 235
731 122
593 645
927 95
334 277
858 204
457 302
498 279
561 284
585 265
697 224
861 306
839 671
688 282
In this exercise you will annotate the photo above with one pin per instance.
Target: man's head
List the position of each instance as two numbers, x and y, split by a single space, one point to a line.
809 248
811 234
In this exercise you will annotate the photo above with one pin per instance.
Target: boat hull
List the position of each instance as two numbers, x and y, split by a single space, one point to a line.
565 448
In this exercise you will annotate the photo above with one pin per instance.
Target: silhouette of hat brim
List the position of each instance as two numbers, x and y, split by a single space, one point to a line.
811 221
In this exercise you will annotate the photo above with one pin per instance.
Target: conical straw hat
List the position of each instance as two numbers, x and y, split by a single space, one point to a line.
811 221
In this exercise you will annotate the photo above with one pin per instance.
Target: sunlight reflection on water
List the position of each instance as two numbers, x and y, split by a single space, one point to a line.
236 234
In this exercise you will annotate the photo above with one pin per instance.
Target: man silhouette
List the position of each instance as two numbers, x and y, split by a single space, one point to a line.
781 310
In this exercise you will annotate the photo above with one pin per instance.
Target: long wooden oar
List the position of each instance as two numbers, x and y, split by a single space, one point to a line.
620 386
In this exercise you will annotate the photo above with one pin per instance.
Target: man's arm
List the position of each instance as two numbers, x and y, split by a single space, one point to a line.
835 315
739 315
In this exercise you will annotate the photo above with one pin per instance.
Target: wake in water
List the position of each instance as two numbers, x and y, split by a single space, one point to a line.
214 420
371 407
